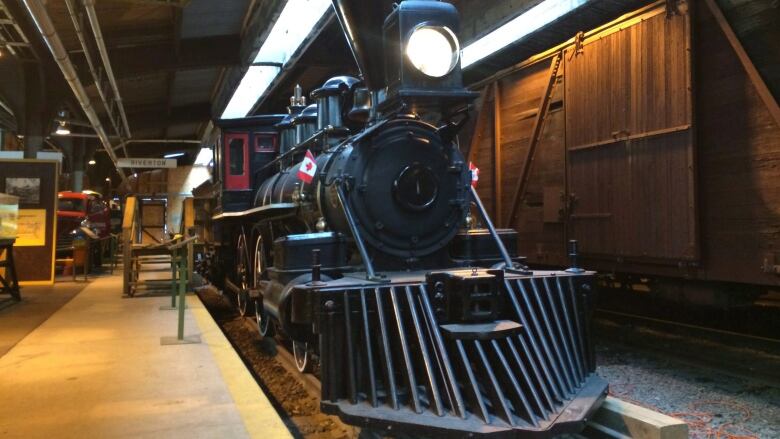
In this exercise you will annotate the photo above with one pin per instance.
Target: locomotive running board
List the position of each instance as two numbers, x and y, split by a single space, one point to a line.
275 208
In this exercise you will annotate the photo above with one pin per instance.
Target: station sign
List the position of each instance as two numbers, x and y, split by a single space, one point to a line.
145 163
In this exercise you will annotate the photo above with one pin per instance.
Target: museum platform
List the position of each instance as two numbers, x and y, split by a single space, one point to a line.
96 368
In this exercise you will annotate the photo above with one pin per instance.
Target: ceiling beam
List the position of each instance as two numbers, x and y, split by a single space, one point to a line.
148 117
173 3
193 53
259 25
171 80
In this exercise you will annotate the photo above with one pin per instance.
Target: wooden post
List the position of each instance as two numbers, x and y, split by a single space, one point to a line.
620 419
497 180
128 231
188 229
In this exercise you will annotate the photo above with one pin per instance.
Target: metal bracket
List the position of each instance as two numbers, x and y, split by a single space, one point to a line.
579 46
672 8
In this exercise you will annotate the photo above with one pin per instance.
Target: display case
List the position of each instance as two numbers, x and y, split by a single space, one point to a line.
9 215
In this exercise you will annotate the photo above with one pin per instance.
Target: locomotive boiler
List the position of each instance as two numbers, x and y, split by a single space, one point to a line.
351 227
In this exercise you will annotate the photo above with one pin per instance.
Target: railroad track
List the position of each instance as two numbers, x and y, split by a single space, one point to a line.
309 381
294 395
741 355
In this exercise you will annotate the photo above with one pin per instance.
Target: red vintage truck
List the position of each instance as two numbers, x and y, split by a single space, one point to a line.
77 210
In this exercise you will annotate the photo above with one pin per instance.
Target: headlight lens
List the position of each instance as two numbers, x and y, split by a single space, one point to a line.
433 50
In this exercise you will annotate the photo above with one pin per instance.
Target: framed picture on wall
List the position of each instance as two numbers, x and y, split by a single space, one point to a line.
27 189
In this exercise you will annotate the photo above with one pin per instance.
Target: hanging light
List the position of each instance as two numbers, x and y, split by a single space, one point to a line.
63 128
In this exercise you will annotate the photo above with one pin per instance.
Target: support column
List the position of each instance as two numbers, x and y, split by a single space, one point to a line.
32 144
34 129
77 175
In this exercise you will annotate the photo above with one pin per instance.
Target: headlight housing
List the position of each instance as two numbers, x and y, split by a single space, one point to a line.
433 50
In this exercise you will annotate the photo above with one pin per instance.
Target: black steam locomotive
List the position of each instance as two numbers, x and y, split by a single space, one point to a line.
351 226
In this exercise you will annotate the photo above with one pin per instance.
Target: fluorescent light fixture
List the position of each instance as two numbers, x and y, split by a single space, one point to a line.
92 161
295 23
173 155
530 21
204 157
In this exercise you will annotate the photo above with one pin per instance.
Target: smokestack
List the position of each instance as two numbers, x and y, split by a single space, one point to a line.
362 24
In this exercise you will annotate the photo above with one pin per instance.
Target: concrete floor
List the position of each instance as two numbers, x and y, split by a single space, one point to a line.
17 319
96 369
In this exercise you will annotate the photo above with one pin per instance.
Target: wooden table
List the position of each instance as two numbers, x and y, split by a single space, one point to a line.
8 281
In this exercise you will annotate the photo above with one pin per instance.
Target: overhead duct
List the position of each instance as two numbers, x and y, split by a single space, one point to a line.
362 27
89 6
42 20
92 69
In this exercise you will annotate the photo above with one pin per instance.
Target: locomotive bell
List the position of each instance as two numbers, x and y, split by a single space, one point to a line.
422 64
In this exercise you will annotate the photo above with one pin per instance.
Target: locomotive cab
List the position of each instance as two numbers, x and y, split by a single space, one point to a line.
243 148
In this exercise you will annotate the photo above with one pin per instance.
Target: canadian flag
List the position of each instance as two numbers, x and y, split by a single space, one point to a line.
474 174
308 168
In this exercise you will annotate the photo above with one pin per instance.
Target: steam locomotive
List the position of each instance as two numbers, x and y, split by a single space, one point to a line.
352 227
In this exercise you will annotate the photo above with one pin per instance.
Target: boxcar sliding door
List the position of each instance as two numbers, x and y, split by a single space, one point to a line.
630 141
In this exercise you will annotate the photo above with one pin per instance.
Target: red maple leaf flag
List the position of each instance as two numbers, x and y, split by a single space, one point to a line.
474 174
308 168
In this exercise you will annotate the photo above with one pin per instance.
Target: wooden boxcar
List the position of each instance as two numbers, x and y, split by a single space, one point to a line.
652 140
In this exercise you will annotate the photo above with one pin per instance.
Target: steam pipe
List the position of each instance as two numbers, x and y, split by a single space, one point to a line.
89 6
42 20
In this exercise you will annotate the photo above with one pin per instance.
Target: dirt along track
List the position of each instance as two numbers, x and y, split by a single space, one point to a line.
294 396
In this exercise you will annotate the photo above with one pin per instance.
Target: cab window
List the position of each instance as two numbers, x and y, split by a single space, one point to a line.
265 143
236 156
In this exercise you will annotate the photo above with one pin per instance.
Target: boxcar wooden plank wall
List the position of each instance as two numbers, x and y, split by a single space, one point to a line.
630 142
647 181
520 95
739 156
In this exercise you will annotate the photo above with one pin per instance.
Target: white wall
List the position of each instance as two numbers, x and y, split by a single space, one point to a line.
181 181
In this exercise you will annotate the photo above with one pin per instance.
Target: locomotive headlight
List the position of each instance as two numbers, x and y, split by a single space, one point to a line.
433 50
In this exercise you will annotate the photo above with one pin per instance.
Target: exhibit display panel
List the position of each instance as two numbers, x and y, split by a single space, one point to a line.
34 185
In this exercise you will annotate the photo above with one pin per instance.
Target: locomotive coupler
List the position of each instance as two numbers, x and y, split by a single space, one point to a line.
465 296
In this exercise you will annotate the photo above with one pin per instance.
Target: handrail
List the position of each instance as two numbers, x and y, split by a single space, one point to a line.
182 243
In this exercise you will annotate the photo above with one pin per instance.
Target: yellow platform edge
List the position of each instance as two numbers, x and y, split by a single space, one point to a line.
260 417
